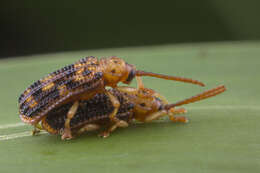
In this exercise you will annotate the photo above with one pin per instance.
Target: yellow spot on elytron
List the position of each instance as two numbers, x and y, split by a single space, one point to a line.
78 77
80 71
78 65
63 90
46 79
29 99
92 68
48 86
33 104
94 61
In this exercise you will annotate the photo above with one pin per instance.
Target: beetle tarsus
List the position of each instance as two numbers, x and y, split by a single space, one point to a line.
104 134
180 119
37 129
112 128
66 134
87 128
35 132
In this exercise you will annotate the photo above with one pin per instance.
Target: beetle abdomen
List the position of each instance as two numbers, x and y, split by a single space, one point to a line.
59 86
93 110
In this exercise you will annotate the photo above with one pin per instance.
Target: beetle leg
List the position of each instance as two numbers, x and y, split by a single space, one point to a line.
114 120
155 115
113 127
170 113
72 111
178 111
129 90
181 119
116 105
87 128
37 129
173 111
140 84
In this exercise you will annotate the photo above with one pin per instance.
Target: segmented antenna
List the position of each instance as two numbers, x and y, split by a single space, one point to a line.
204 95
182 79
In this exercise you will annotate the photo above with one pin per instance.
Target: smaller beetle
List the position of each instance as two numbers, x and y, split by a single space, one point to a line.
143 105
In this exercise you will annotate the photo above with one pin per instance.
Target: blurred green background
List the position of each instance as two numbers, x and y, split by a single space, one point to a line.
32 27
223 134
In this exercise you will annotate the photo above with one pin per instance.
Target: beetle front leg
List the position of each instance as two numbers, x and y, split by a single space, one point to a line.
87 128
140 84
173 111
155 116
72 111
180 119
113 127
114 120
170 113
116 105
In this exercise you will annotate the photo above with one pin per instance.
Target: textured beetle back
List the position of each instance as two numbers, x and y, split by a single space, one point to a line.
47 93
94 110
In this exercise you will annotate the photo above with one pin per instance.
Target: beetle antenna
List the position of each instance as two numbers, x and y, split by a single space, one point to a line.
201 96
182 79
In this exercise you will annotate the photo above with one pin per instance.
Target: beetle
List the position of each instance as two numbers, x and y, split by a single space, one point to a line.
143 105
81 81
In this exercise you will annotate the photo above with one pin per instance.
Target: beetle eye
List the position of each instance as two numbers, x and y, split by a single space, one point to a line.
131 75
143 104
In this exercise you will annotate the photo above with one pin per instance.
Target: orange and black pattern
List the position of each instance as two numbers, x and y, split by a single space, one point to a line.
59 86
94 110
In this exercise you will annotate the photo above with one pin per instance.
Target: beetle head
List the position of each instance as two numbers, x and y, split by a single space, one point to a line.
117 70
146 103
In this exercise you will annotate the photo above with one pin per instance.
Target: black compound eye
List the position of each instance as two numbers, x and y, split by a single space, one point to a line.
131 75
143 104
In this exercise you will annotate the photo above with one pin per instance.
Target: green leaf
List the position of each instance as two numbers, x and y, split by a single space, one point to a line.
223 134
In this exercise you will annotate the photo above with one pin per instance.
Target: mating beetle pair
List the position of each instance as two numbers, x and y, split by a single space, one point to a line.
73 99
